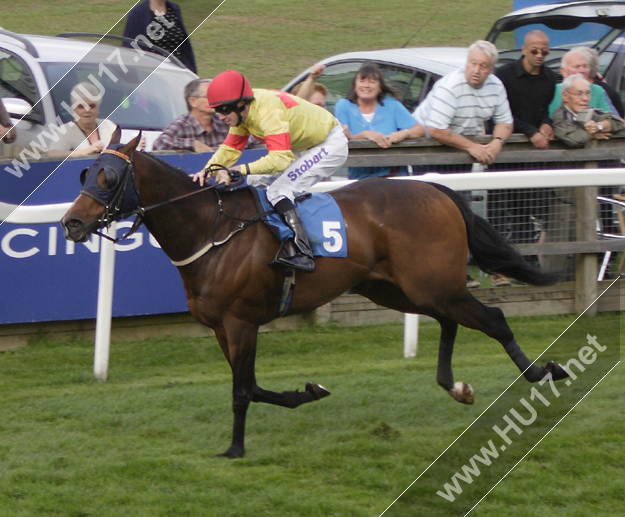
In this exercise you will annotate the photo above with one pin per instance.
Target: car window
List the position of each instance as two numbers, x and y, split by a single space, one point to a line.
155 103
337 78
562 34
408 82
16 81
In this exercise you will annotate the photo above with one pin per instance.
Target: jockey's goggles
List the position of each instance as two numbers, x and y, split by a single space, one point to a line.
226 109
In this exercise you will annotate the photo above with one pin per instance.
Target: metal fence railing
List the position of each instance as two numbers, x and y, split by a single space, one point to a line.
571 227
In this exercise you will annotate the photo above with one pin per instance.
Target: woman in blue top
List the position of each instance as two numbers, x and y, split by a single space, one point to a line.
371 111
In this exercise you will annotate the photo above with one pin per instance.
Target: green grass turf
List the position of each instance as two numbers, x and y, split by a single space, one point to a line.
144 443
271 41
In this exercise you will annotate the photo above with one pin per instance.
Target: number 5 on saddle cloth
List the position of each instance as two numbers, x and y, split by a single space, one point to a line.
323 221
322 218
324 224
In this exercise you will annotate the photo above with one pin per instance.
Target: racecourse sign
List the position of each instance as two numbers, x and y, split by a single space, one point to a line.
43 277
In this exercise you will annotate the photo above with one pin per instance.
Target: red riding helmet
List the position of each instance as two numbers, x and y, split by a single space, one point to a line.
227 88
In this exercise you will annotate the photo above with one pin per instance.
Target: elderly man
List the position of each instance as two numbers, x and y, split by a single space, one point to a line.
461 103
575 123
576 62
200 130
530 86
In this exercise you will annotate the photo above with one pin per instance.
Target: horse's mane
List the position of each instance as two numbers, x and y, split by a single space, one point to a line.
176 172
181 183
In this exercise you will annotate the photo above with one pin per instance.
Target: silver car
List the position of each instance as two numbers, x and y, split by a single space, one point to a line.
142 90
412 71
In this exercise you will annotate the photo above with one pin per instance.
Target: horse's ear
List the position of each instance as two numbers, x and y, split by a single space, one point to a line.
116 136
130 147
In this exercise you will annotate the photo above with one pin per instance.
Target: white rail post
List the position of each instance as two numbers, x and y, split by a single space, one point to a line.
411 335
105 305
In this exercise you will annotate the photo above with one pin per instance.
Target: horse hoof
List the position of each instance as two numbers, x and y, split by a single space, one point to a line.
316 391
556 371
232 453
462 392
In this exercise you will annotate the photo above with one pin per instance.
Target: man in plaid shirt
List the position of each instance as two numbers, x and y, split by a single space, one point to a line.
200 130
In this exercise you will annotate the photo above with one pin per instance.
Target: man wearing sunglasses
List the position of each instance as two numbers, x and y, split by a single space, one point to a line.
305 144
531 85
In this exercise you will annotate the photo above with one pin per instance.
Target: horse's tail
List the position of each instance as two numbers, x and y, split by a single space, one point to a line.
489 249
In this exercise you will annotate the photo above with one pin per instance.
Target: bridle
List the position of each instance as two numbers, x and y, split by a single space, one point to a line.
121 201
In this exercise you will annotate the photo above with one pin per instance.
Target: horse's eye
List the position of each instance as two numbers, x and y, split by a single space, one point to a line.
112 178
108 178
83 176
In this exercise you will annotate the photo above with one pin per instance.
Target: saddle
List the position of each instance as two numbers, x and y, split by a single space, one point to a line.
324 224
322 219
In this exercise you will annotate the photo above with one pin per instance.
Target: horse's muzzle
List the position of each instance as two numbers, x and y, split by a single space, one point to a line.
75 229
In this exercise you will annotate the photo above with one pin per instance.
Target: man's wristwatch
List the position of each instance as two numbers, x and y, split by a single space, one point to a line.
503 142
599 127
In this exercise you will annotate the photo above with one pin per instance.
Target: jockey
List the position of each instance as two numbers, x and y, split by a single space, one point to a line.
305 144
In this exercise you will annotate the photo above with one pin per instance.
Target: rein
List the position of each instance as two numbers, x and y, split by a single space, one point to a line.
113 212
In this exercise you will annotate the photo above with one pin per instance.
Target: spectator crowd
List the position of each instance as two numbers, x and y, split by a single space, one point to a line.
477 99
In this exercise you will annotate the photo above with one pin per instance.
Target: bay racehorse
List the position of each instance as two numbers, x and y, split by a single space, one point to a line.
407 242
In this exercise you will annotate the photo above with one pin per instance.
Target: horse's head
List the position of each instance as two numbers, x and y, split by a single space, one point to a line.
109 192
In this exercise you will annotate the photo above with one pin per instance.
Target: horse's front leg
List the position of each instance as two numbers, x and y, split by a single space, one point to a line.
290 399
460 391
238 343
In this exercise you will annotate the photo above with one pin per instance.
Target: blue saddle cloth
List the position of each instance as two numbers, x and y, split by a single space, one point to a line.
322 218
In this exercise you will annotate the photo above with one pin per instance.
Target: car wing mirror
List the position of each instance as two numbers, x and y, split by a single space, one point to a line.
17 108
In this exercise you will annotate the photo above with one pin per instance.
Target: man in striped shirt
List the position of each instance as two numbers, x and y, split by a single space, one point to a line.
462 102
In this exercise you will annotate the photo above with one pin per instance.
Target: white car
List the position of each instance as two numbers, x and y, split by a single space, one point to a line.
142 90
412 71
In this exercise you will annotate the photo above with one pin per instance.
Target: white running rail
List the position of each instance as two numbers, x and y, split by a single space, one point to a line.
460 181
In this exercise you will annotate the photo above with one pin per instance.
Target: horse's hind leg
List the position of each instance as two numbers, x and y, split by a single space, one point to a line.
470 312
460 391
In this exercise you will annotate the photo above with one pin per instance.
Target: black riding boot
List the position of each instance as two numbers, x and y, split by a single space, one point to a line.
302 258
